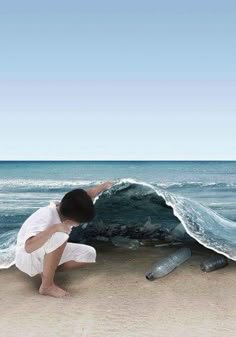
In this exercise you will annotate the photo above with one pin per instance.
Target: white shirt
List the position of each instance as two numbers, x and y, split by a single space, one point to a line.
37 222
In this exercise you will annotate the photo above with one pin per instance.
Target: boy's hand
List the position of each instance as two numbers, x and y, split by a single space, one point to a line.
65 226
93 192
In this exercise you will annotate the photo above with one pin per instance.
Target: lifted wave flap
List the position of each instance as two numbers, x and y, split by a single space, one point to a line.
143 211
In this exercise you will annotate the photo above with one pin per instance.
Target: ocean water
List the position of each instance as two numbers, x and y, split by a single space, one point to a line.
161 200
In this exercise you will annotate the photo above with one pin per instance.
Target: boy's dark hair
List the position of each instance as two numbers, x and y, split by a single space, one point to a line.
78 206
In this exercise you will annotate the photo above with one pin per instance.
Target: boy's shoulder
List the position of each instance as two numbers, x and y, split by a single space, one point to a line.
44 213
37 222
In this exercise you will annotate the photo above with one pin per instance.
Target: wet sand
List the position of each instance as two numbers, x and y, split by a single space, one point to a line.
112 298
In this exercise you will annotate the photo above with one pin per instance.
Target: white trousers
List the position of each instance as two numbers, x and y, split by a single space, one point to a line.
32 263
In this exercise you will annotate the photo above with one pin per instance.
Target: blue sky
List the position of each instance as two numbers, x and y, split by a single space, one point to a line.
117 79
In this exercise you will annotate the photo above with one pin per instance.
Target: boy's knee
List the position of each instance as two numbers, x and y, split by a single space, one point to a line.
55 241
91 254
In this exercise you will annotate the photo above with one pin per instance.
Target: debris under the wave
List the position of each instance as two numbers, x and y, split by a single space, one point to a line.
120 241
102 238
214 262
168 244
169 263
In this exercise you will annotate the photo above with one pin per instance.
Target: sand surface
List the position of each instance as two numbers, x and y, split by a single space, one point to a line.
112 298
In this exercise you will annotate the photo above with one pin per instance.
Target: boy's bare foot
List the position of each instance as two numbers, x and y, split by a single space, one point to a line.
54 291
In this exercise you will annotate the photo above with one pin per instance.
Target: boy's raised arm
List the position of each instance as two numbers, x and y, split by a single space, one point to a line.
93 192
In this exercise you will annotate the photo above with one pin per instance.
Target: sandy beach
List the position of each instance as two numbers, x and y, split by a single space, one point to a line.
112 298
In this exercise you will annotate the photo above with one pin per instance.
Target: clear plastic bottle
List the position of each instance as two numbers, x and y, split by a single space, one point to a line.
213 263
169 263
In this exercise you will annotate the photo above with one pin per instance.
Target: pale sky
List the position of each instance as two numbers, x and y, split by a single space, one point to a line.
117 80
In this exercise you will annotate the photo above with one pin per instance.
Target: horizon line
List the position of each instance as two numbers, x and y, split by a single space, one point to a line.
113 160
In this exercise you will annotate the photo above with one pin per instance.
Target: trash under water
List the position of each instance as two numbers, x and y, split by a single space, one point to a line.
141 211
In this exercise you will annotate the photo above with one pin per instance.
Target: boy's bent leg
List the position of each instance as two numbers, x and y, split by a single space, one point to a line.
76 256
72 265
50 263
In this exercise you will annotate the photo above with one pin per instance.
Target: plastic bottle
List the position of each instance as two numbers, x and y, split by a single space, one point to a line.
169 263
213 263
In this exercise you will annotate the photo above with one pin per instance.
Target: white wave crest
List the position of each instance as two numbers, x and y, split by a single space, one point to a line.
45 183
